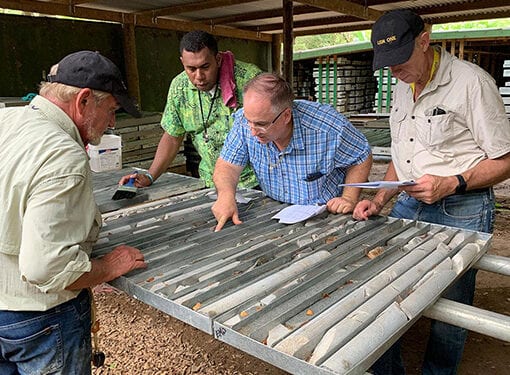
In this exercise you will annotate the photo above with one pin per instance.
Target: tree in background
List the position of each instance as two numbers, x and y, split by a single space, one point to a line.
327 40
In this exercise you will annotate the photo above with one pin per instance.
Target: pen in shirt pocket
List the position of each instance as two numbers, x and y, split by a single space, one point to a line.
313 176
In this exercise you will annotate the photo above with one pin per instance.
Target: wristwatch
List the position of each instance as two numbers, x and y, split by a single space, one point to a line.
461 187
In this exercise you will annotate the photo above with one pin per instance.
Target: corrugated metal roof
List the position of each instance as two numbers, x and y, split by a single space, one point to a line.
261 19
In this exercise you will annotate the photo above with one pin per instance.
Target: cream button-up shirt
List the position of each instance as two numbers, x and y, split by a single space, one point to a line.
49 219
473 127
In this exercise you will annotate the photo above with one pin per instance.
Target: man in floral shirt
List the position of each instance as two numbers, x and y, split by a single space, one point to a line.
200 102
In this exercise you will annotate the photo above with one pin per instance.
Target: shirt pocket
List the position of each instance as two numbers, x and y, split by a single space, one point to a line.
435 131
397 118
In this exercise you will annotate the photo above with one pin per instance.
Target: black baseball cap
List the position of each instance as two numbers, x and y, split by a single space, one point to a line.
94 71
393 37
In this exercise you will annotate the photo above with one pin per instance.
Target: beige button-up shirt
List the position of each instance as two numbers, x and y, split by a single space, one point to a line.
472 128
49 219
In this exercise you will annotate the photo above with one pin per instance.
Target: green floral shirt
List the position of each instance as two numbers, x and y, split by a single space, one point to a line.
183 115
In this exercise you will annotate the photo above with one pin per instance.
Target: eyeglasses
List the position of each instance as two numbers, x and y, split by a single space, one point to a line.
261 126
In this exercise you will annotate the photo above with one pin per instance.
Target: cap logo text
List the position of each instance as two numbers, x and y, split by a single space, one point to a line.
389 39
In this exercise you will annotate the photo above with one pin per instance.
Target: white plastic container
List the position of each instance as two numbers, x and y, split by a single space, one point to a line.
107 155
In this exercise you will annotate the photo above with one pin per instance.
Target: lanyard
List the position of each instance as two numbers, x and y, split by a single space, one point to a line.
205 121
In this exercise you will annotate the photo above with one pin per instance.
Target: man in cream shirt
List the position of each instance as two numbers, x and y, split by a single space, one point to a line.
49 219
450 134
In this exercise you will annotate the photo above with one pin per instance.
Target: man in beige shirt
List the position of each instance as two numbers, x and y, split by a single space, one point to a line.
449 134
50 220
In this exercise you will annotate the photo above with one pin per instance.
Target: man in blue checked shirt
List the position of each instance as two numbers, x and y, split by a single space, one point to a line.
300 151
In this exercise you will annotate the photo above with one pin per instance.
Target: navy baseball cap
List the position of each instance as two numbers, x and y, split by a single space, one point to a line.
393 37
88 69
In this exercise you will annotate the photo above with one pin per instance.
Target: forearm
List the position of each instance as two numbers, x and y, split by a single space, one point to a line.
166 152
118 262
488 173
430 188
226 178
383 196
356 173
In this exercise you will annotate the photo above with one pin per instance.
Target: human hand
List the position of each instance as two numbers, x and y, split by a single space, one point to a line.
122 260
224 209
141 179
431 188
366 208
340 205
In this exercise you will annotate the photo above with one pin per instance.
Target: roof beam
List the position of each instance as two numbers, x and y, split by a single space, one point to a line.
430 19
332 30
61 8
251 16
465 17
465 6
199 5
52 8
307 23
345 7
229 32
73 2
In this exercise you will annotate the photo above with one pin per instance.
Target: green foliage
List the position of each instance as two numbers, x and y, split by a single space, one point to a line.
500 23
303 43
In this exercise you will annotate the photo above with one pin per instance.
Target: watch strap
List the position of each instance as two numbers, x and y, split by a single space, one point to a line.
461 187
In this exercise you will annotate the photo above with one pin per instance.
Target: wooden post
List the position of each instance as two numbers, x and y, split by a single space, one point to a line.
461 49
276 54
288 40
132 76
452 47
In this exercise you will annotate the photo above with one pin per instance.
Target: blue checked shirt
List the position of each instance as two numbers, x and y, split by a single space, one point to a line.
323 146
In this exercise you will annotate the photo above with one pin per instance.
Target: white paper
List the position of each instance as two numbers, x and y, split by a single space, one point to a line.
296 213
381 184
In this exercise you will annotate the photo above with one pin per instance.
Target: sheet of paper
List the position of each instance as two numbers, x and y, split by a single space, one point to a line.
381 184
296 213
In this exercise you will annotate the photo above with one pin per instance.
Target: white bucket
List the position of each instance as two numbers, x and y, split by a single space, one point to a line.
107 155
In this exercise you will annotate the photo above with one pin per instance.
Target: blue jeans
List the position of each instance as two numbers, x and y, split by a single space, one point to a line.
474 211
56 341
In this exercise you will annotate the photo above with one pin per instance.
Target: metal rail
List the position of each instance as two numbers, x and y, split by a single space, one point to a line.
494 263
478 320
